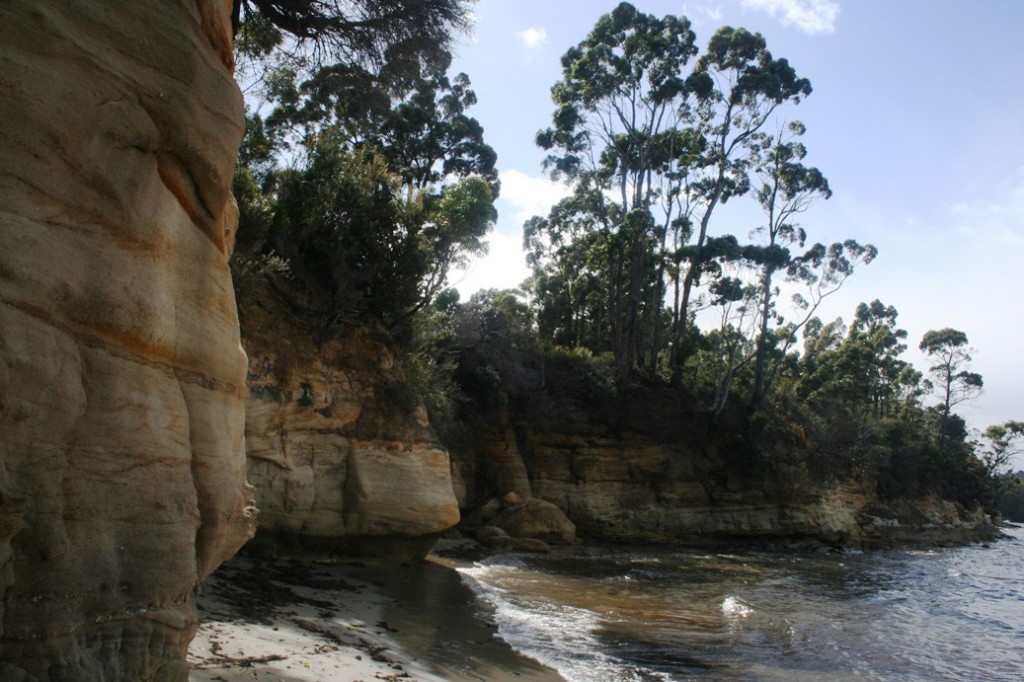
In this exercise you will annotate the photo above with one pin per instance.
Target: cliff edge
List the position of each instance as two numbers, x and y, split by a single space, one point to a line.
122 380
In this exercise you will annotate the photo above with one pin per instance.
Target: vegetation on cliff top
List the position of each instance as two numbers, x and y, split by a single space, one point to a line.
363 180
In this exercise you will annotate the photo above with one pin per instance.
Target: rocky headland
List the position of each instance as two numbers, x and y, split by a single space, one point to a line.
651 472
348 467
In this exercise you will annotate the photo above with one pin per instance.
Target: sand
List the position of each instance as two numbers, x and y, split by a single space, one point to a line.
295 622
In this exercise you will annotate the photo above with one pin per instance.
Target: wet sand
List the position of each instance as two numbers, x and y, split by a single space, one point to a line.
295 622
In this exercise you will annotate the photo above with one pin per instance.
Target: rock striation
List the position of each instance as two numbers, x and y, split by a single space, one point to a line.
645 479
121 373
340 450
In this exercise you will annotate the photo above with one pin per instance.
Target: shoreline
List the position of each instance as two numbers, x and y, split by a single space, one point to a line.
269 619
291 621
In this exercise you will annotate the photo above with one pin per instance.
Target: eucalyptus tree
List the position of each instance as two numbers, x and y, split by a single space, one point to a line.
619 108
653 140
1004 442
817 273
864 371
730 347
952 383
785 188
739 87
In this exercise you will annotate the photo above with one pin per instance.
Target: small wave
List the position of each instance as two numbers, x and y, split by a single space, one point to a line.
734 607
559 636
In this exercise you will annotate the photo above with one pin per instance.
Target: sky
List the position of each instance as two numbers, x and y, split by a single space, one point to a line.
916 119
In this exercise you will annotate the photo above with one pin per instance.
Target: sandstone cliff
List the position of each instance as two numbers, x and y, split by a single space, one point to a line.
340 451
651 473
121 373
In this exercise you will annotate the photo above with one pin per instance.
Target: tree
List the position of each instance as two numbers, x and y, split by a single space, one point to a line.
1004 443
740 86
786 189
428 136
856 385
651 149
616 133
390 37
361 245
381 199
953 383
821 272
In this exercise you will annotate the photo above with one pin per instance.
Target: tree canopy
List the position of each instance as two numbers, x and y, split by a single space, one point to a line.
380 35
653 137
367 186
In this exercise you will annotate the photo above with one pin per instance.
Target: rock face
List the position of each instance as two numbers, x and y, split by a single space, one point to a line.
121 373
341 454
636 483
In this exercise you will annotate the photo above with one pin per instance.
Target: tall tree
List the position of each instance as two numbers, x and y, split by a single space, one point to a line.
786 188
953 382
352 236
376 208
863 371
1004 443
740 85
821 271
615 133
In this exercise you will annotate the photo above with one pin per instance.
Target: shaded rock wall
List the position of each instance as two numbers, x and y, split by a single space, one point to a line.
121 373
625 485
340 452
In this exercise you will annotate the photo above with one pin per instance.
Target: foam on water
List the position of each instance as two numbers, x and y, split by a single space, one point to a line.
559 636
639 616
734 607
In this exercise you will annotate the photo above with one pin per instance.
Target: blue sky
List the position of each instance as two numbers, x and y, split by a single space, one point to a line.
917 120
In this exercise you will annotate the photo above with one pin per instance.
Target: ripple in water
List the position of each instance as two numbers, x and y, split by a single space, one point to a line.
638 616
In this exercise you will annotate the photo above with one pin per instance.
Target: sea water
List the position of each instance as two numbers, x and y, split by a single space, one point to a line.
629 614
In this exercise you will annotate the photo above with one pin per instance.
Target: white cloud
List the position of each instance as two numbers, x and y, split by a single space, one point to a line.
702 14
504 267
530 195
810 16
997 219
533 37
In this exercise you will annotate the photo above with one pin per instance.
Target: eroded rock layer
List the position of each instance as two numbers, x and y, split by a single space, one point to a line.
342 456
121 373
655 476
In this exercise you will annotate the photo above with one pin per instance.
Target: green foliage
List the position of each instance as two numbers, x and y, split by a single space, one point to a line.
953 383
374 207
1010 499
391 37
1004 442
430 366
351 236
653 140
614 131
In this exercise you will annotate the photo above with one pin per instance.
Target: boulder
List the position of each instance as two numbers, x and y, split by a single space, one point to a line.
532 545
122 379
488 532
536 519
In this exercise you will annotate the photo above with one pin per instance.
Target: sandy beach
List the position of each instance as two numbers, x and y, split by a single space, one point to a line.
289 621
